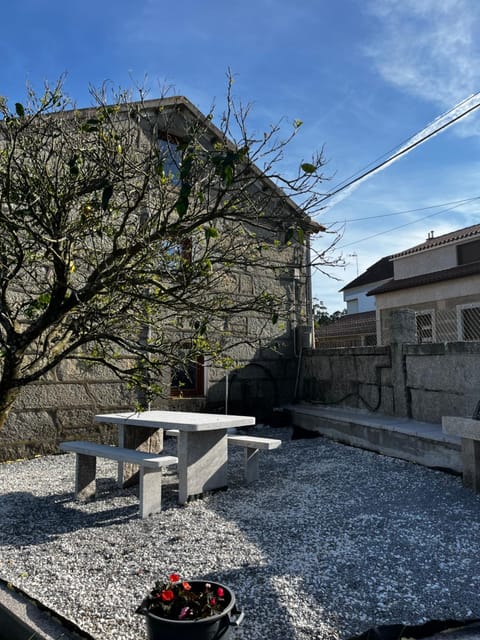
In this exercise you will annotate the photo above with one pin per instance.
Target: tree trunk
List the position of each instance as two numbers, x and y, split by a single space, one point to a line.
8 396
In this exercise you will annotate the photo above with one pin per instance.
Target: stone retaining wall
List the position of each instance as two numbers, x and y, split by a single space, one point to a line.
419 381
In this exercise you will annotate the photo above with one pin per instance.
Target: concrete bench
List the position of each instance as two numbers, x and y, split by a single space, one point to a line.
252 445
468 430
150 464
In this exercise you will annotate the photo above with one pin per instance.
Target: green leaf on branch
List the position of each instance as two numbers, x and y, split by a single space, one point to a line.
228 175
211 232
181 205
39 304
307 167
19 109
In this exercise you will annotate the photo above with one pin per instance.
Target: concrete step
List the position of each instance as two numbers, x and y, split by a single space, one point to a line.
420 442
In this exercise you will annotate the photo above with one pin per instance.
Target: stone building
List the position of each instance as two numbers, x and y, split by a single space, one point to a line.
62 404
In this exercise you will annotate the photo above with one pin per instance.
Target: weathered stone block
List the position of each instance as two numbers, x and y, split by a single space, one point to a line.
112 395
25 425
51 396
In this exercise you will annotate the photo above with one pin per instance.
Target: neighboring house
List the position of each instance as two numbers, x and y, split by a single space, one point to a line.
358 327
355 293
62 405
439 279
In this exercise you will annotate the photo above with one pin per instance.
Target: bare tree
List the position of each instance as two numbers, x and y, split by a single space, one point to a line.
124 228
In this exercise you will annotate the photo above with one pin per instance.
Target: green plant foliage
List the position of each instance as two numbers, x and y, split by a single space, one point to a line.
307 167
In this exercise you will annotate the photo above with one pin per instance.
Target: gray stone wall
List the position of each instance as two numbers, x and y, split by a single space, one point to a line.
63 404
351 377
62 407
423 382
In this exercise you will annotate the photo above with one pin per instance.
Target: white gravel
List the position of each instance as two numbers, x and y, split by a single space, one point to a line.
331 541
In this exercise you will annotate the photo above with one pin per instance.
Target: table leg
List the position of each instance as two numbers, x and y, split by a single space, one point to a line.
471 464
85 472
142 439
202 462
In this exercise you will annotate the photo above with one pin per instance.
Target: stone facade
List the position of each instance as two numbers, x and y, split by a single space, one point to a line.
61 406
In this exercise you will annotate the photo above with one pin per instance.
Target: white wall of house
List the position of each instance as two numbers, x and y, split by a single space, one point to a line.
357 300
443 294
442 302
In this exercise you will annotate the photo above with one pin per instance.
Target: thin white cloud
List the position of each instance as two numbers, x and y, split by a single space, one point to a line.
429 49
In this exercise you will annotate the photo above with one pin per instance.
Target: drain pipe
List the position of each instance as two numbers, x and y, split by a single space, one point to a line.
226 393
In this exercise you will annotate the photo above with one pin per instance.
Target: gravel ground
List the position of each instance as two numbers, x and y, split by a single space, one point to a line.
331 541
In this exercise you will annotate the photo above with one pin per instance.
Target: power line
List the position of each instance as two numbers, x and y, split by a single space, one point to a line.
406 149
402 226
403 142
399 213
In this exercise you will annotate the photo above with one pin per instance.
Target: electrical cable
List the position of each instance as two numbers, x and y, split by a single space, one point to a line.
407 224
405 149
399 213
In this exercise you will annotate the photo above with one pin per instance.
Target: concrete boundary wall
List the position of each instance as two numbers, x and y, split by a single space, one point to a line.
418 381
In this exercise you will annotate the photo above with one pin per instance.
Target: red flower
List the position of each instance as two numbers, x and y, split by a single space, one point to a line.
167 595
213 601
220 592
174 577
186 586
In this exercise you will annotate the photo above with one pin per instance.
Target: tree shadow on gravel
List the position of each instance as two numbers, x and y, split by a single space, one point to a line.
29 519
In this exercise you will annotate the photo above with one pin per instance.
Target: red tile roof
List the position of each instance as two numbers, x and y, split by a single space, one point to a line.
459 234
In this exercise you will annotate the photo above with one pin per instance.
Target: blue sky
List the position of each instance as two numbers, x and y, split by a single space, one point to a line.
363 75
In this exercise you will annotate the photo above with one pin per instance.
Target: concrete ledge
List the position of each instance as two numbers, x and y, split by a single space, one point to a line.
468 429
419 442
461 427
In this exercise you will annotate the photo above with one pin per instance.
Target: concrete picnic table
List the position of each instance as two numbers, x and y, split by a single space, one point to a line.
201 449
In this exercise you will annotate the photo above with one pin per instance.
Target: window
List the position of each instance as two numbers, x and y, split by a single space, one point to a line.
188 380
352 305
468 252
425 328
171 158
468 322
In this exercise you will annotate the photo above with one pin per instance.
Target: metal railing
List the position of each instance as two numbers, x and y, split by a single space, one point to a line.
461 324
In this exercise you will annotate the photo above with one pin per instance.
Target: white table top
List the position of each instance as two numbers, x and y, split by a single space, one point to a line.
182 420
